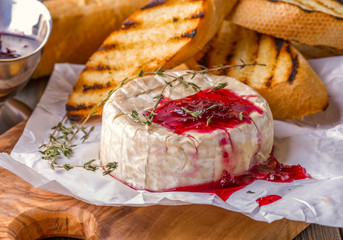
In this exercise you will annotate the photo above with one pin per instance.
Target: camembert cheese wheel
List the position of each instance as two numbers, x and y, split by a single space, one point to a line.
196 136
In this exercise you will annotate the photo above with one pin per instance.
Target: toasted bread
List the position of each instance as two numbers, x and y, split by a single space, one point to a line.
163 33
287 82
311 22
80 27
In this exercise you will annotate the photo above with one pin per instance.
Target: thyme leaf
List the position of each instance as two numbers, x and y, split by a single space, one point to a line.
67 167
86 134
192 113
241 116
89 166
219 86
110 167
209 120
210 107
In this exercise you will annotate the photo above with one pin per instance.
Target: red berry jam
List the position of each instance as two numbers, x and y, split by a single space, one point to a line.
205 111
267 199
272 171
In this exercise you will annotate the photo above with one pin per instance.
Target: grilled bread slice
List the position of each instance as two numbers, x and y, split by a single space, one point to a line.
311 22
287 82
76 32
163 33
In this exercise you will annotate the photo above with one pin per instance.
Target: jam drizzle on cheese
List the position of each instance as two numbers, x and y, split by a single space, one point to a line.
272 171
205 111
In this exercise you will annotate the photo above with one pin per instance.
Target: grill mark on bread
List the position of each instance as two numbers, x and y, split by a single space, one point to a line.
295 64
98 68
190 34
269 80
200 14
108 47
294 72
101 67
77 108
96 86
153 3
279 44
129 23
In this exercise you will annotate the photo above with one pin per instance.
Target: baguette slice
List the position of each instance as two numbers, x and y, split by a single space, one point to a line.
79 28
163 33
314 23
287 82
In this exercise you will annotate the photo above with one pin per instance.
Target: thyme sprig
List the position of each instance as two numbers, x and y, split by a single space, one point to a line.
60 141
59 144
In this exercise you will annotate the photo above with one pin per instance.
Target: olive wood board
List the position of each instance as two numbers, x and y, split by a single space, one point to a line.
30 213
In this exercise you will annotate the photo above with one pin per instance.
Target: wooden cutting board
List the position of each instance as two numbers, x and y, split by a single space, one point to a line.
30 213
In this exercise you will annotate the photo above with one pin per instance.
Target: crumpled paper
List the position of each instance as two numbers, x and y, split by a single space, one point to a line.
315 142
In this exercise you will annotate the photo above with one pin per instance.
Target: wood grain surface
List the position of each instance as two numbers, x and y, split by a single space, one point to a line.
318 232
30 213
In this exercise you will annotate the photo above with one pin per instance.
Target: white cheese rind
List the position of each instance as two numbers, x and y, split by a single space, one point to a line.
155 158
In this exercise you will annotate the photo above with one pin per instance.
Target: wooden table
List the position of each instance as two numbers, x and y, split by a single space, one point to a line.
30 213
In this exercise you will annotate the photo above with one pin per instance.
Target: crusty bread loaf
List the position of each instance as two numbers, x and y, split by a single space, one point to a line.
310 52
79 28
331 7
163 33
287 82
310 22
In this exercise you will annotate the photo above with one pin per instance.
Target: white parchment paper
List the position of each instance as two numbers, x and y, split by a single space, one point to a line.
315 143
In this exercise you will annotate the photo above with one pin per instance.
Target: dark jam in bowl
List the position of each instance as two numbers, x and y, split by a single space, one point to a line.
8 54
16 45
205 111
